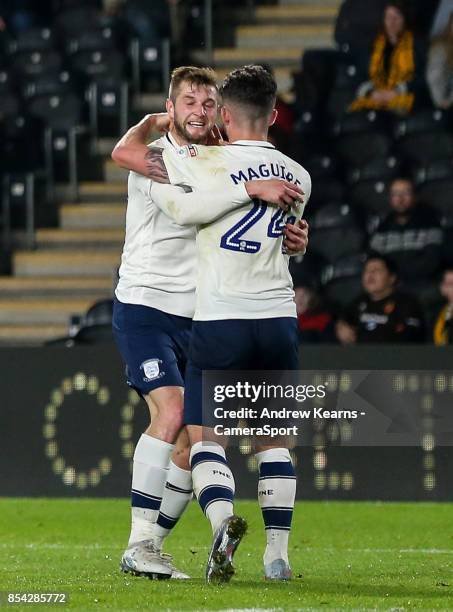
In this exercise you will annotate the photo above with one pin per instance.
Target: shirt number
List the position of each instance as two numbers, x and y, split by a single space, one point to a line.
234 240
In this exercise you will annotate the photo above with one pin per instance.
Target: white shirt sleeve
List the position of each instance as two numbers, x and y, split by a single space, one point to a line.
198 207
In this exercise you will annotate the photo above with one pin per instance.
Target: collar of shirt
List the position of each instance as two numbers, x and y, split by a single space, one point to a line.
173 141
254 143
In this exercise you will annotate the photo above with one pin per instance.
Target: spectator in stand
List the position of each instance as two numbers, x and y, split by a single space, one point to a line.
443 327
381 313
357 23
439 70
411 234
396 67
314 319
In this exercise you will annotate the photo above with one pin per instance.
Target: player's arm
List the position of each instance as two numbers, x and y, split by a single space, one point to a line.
198 207
132 151
295 236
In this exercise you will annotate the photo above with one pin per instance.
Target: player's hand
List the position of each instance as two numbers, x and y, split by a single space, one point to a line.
345 333
159 122
215 137
275 191
295 238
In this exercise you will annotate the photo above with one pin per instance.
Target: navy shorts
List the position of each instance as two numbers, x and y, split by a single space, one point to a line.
237 344
153 344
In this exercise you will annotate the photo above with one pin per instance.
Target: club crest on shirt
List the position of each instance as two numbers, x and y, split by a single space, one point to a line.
151 369
188 151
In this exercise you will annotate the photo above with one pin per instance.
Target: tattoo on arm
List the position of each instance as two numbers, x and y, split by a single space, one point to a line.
155 164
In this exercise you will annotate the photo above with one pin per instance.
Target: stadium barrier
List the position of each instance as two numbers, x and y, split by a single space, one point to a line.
69 424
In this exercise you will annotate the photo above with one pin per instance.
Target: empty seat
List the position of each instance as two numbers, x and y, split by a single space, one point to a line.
435 185
34 63
16 135
307 269
91 40
447 250
335 231
321 166
344 87
371 196
99 313
326 190
9 104
56 83
75 20
57 111
99 65
359 138
342 280
382 168
438 194
32 39
424 136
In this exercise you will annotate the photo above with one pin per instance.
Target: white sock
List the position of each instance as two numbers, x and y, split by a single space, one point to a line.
149 474
213 482
276 495
177 494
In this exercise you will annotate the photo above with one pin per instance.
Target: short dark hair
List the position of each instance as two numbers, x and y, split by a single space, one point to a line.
192 74
388 262
253 87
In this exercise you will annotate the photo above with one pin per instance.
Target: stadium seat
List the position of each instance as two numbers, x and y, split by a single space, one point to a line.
78 19
424 137
438 194
16 134
32 39
308 135
56 83
447 250
307 269
335 231
321 166
359 138
370 196
382 168
325 191
325 174
57 111
9 104
98 65
344 86
435 185
99 313
342 280
100 38
34 63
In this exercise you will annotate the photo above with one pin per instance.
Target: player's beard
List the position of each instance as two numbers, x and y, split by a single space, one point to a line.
183 132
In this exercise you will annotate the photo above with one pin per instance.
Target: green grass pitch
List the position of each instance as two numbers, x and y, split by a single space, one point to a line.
344 555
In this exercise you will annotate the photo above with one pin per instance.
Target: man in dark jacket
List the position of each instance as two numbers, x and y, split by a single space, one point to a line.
410 234
381 313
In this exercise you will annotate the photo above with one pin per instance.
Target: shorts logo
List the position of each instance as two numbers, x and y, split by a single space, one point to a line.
151 369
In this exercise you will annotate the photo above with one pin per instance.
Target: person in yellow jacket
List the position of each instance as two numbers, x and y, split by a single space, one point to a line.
395 70
443 327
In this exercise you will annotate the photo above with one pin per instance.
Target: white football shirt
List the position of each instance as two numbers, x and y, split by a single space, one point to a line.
242 271
158 264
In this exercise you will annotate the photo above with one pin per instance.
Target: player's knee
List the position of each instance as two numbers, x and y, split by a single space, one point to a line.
181 457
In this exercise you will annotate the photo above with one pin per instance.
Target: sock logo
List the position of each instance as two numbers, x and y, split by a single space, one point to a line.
266 492
151 369
218 472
